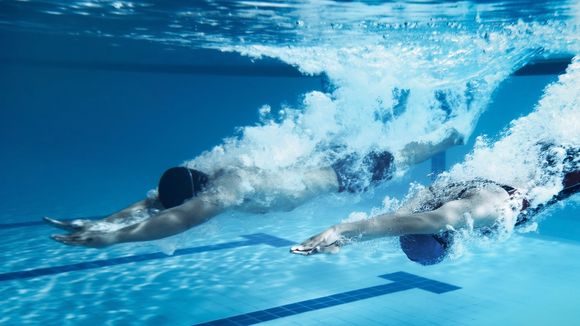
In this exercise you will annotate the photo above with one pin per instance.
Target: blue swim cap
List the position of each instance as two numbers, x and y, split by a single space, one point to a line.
426 249
180 184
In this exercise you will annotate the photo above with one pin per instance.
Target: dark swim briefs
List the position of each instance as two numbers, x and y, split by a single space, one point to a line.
355 175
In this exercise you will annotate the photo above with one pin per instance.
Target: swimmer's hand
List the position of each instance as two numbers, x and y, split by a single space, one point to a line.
454 137
72 226
93 239
328 241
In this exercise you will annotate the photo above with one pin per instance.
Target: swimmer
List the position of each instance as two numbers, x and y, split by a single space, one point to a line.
188 197
426 223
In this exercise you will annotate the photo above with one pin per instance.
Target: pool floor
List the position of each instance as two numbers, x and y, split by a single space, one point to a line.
236 270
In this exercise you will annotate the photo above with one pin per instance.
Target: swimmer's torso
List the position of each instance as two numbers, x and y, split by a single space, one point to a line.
258 191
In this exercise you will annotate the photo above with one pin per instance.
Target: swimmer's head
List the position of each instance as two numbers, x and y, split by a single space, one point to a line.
426 249
180 184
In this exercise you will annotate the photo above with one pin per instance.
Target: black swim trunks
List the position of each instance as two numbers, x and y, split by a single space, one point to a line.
356 175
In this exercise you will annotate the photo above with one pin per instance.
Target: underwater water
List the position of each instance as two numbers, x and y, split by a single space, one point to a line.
98 98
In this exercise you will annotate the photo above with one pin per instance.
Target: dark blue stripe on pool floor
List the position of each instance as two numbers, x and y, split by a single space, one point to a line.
21 224
39 223
251 240
401 281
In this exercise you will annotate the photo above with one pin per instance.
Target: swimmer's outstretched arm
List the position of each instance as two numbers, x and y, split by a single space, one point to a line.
481 209
417 152
167 223
175 220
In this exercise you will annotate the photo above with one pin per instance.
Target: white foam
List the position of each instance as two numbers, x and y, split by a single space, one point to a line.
390 85
518 158
515 159
413 85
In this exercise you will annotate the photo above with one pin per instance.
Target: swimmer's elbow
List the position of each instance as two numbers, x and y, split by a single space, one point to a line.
427 223
407 224
185 222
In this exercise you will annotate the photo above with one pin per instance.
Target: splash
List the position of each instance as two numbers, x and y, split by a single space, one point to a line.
413 83
407 83
517 159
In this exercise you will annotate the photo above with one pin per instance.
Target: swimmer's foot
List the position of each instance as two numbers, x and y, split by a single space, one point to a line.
91 239
328 241
72 226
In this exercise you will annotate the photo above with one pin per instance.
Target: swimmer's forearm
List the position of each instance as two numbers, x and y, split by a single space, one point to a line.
379 226
170 222
152 229
417 152
388 225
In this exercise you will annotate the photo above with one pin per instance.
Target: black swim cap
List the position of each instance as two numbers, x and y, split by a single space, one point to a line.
179 184
426 249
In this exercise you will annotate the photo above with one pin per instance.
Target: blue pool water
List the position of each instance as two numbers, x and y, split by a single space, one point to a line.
98 98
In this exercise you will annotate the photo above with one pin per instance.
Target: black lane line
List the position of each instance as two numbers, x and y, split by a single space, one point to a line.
251 240
554 66
254 70
401 281
40 222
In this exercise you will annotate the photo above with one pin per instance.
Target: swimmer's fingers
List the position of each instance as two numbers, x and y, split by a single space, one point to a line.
86 239
328 241
58 224
72 226
303 250
332 248
71 240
